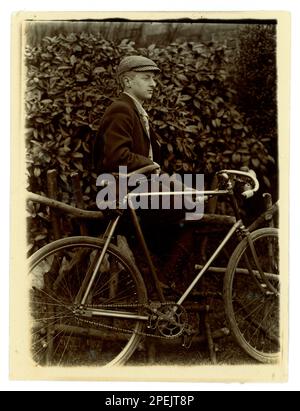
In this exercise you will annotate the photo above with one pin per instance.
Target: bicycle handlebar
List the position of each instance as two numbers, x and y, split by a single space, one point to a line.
249 174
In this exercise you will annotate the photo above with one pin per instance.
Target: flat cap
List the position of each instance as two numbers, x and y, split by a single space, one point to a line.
136 63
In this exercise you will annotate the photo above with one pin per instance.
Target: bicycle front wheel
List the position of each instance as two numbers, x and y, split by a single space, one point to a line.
252 295
61 335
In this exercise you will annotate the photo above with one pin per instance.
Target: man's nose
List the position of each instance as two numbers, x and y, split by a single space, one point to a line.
153 82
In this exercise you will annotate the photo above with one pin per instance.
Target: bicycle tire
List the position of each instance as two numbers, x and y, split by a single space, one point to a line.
59 337
252 310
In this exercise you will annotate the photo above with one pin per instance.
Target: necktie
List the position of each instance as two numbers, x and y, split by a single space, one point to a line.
145 121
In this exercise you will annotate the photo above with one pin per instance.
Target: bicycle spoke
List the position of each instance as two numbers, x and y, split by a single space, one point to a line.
252 304
61 338
64 351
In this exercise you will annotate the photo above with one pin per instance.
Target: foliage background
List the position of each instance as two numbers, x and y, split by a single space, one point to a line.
214 107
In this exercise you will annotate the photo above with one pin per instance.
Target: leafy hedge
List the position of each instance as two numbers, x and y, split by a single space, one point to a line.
71 80
195 113
257 77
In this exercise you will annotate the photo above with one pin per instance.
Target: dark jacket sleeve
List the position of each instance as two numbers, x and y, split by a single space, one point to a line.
117 130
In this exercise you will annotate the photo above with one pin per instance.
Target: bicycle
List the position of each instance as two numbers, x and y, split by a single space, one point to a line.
89 302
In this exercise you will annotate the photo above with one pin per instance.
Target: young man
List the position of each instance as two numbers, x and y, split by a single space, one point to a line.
125 137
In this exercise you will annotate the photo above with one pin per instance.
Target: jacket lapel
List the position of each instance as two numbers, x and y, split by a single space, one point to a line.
129 100
154 138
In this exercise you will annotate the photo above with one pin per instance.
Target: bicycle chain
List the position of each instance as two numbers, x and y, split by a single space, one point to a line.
128 331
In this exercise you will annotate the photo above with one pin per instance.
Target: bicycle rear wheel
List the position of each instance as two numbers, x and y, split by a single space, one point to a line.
61 336
251 299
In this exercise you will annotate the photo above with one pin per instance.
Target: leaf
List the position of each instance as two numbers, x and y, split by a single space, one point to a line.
182 77
66 149
170 147
46 101
179 145
236 158
67 141
191 129
185 97
78 165
267 181
40 237
219 100
77 155
64 67
270 158
221 113
99 70
151 47
73 60
62 161
78 145
243 151
81 77
255 162
197 103
77 47
37 171
40 120
64 178
185 166
85 147
237 126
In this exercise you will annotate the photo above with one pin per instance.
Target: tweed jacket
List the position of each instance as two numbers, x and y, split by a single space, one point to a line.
122 139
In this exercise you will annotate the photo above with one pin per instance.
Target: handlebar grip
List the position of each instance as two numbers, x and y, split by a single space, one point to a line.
248 193
249 174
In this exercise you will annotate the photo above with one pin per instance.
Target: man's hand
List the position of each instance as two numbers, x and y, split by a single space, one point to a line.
158 170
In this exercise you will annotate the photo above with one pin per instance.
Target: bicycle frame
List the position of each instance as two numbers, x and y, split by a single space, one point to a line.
91 289
90 277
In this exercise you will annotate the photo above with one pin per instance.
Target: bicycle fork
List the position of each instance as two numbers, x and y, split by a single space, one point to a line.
258 266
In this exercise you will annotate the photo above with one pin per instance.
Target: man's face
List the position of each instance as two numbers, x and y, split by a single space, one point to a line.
142 84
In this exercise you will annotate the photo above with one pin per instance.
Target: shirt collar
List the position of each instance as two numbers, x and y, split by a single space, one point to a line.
138 105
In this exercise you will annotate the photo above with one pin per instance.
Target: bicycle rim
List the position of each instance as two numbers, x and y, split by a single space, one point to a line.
252 308
59 337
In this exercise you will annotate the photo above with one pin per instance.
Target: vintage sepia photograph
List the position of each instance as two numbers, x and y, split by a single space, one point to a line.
149 166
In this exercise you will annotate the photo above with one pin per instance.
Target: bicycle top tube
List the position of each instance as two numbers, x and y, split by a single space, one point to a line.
175 193
130 196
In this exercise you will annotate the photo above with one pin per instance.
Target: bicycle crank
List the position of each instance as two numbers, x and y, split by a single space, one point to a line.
171 320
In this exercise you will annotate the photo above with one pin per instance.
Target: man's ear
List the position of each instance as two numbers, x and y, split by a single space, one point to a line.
126 81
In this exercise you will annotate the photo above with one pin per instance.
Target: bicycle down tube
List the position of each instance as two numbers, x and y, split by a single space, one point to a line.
233 229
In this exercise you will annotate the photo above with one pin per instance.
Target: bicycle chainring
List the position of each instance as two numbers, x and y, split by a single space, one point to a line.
172 320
